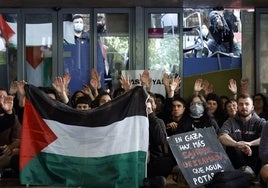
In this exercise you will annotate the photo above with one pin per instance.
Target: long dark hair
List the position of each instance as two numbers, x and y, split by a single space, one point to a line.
264 100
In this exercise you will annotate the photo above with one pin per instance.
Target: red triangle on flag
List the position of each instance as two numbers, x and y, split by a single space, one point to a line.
34 55
36 135
5 29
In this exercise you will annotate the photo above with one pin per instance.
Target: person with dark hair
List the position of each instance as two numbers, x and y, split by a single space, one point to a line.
159 101
78 65
222 34
194 117
77 94
260 105
79 33
214 108
198 114
10 132
230 108
159 165
175 125
224 99
241 136
83 103
101 99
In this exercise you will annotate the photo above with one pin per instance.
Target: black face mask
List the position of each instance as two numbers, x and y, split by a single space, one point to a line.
100 28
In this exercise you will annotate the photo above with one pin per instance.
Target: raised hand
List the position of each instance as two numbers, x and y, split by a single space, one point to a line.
165 80
7 103
146 79
207 87
125 82
95 75
198 85
87 90
232 86
60 86
13 88
21 91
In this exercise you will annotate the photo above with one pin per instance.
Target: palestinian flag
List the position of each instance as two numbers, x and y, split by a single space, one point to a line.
105 147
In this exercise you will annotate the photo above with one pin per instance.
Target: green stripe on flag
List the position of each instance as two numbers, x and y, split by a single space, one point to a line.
102 172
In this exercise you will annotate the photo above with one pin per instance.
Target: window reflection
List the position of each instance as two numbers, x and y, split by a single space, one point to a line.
263 67
38 49
163 43
8 49
112 49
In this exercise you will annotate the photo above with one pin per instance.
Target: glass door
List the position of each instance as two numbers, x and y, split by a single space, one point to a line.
163 46
76 48
8 48
261 51
38 48
113 46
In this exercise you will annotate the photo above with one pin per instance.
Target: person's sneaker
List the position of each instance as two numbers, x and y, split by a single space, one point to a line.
157 182
248 170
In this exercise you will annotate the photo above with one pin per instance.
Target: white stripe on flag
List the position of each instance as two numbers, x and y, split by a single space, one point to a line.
129 135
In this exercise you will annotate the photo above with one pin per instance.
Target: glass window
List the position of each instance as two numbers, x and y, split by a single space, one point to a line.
263 54
38 49
76 46
8 49
163 49
112 48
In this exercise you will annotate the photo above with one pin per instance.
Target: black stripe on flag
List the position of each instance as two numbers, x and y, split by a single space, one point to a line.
132 103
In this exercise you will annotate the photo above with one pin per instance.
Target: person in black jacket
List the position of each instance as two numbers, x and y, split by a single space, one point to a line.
222 34
195 117
159 165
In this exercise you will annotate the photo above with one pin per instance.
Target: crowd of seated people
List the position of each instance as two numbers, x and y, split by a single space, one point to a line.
239 122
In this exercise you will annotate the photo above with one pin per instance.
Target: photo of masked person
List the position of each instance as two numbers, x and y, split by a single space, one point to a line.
222 35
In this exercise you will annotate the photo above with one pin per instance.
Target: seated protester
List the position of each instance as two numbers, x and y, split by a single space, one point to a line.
171 87
178 115
10 130
241 136
260 105
230 108
152 97
263 151
159 164
101 99
198 116
214 108
83 103
75 96
159 101
224 99
195 118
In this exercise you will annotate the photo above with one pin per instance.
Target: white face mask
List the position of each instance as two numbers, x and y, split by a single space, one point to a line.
197 110
78 27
